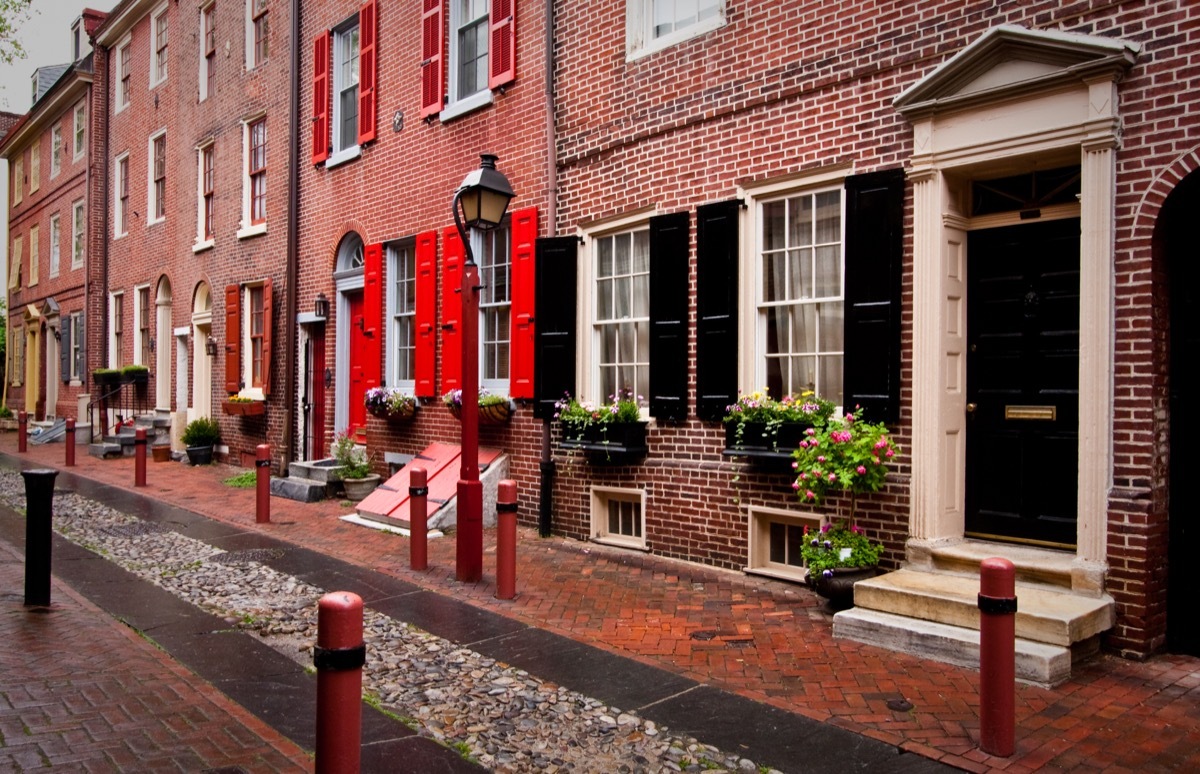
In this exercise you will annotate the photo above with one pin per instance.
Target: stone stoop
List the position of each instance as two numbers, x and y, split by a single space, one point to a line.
933 612
309 481
120 444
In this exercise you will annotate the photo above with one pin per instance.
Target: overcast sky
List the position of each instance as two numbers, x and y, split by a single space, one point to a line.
46 38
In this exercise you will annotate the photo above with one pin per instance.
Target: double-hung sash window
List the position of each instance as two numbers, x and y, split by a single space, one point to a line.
143 326
35 167
256 170
56 148
657 24
345 86
78 224
495 303
257 329
207 193
402 270
75 347
121 216
14 267
34 257
158 59
123 75
208 50
621 317
468 48
116 355
18 179
80 130
801 303
158 178
256 32
55 239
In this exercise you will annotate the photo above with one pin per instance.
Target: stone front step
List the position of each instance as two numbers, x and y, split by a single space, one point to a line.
1035 662
1043 615
302 490
105 449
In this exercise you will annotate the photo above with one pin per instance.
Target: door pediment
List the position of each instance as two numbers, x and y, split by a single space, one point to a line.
1009 61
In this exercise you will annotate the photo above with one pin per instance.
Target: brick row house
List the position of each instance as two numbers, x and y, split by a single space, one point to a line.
974 229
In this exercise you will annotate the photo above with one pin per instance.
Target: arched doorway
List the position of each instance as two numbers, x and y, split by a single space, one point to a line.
1175 246
162 352
202 353
349 411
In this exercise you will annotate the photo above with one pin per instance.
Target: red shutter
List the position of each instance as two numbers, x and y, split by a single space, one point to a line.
367 29
431 57
425 314
373 314
320 119
452 265
520 367
502 65
268 327
233 339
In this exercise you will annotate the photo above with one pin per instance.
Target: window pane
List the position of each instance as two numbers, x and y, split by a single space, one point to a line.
604 259
828 271
774 277
604 303
614 517
804 328
800 271
795 535
641 295
608 345
832 325
774 224
622 298
621 258
641 252
829 216
800 232
627 342
778 547
831 379
804 375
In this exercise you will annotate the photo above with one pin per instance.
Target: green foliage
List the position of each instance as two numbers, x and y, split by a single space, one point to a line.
106 371
454 398
838 545
843 454
203 431
5 412
135 369
13 13
382 401
245 480
759 407
351 457
578 415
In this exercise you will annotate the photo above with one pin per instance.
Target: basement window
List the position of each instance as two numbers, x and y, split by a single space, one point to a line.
775 539
618 517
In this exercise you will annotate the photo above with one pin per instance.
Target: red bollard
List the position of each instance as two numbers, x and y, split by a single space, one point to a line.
262 483
339 658
22 429
139 457
418 518
506 540
70 440
997 656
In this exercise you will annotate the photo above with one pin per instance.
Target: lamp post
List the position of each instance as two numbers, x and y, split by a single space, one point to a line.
480 202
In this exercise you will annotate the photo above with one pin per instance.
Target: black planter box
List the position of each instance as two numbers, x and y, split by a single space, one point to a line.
614 439
757 439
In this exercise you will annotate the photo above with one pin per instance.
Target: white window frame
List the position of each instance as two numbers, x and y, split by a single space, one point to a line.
138 322
639 28
78 233
35 166
252 60
115 299
246 378
56 147
121 99
151 194
202 75
479 239
55 244
248 229
587 373
338 39
120 217
752 373
159 17
203 242
600 497
34 248
79 137
758 553
75 346
396 315
461 104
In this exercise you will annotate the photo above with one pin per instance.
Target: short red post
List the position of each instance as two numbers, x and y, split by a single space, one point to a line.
262 483
997 656
70 441
139 457
339 658
506 540
418 518
22 429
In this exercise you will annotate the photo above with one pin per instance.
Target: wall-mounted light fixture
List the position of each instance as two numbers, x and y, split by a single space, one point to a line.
210 347
321 306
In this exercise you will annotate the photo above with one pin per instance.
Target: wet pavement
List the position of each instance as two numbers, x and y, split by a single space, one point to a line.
739 662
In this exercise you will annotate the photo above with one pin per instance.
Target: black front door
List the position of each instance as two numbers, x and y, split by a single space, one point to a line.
1023 383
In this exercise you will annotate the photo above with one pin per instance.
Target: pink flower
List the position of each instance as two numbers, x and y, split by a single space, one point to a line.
832 478
796 485
890 453
795 466
804 444
860 470
810 431
803 476
825 527
808 494
821 458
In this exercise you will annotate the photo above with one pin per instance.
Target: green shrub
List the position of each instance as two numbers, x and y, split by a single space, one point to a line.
202 432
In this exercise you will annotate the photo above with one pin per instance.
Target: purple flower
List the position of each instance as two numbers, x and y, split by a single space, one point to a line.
828 545
815 542
827 573
825 527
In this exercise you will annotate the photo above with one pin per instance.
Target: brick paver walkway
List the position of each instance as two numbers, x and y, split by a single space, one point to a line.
763 639
81 692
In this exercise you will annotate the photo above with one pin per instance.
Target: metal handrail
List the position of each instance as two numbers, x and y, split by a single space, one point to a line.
122 402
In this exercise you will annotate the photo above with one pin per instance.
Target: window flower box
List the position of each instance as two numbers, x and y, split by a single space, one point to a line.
625 439
390 403
493 409
244 408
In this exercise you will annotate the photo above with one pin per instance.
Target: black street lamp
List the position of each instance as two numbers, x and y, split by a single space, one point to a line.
480 203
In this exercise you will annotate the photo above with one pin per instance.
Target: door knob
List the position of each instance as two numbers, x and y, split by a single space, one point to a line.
971 407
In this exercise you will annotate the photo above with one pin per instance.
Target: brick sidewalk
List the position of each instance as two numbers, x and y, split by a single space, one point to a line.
763 639
81 692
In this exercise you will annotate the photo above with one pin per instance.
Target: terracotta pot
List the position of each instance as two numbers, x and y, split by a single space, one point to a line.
161 452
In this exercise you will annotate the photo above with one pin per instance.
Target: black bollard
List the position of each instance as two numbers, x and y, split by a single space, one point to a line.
39 501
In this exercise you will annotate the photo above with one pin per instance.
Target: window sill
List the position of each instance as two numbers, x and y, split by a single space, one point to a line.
616 541
252 231
343 156
122 235
155 221
464 106
793 574
200 247
675 38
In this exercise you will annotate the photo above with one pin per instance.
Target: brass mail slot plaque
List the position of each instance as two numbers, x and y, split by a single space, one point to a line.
1037 413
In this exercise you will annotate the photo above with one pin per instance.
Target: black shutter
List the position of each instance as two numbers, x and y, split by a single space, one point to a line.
81 359
874 250
64 349
669 315
716 308
556 273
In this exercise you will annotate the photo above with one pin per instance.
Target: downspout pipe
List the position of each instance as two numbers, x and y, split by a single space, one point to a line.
546 466
293 246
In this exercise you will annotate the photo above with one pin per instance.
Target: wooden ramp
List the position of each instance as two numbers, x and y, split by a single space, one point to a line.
389 502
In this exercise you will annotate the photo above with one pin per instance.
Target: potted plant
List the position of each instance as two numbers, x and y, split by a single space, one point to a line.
239 405
7 420
493 409
391 403
199 438
106 377
759 423
135 374
612 427
837 558
354 467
